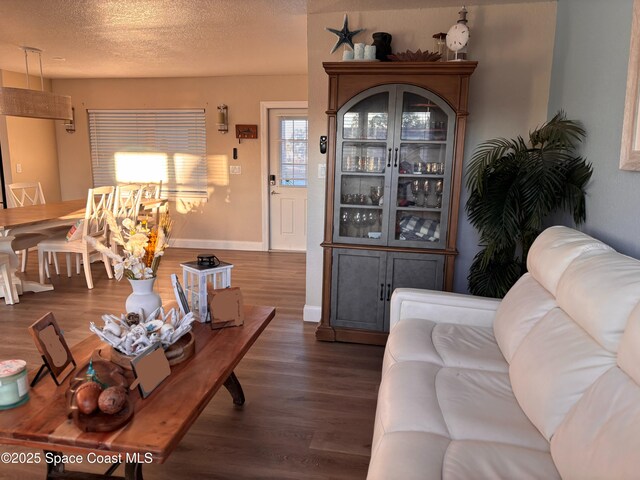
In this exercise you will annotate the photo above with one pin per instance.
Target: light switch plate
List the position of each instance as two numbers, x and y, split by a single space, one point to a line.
235 169
322 170
18 168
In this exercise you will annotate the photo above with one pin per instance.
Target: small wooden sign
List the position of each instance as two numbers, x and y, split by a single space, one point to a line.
246 131
225 307
150 369
51 344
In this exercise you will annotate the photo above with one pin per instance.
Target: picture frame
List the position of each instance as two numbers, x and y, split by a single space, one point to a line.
181 298
50 342
150 368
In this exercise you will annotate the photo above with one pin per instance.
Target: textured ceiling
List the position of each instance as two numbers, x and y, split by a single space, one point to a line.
172 38
155 38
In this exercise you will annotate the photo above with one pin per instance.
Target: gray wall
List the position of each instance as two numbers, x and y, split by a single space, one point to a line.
588 81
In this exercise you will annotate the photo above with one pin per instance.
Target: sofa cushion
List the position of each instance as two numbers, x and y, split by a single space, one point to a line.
556 362
479 405
444 344
598 291
600 438
629 351
523 306
426 451
488 460
468 347
411 340
554 249
461 404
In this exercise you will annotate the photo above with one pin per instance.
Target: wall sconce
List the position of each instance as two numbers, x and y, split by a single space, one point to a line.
223 119
70 125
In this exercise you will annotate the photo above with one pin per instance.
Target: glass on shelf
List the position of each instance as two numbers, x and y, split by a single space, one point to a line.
368 119
422 119
420 159
361 223
420 193
362 190
417 226
363 157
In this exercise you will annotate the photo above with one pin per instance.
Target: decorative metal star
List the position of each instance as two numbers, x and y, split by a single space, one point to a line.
344 35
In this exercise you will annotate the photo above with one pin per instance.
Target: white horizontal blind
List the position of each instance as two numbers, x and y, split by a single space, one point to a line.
149 146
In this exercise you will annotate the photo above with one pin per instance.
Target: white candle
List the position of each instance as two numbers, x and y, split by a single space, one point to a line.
347 55
358 51
370 52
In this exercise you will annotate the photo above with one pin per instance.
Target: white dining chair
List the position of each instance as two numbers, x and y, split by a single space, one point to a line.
22 194
18 195
9 289
126 204
99 201
150 214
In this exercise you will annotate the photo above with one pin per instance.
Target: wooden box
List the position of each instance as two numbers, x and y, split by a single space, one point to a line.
225 307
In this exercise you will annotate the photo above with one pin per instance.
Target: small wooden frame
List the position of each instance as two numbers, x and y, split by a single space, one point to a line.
50 342
225 307
150 369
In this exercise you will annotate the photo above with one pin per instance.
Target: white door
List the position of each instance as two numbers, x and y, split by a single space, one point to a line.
288 148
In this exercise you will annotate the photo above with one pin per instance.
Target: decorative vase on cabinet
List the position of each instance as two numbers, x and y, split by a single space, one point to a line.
393 188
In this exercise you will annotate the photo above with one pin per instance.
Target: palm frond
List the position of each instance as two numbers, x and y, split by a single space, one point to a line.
513 187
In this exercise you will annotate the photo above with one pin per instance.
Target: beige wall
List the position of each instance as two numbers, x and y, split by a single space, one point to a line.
30 143
513 44
232 216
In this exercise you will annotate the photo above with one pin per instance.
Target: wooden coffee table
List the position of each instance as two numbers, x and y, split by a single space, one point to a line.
159 422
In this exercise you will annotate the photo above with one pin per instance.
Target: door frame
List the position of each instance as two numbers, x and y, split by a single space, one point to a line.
264 159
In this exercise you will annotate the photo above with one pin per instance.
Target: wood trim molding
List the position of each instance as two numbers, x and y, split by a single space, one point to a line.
630 146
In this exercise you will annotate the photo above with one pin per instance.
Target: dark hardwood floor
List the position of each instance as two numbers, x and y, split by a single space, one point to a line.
310 405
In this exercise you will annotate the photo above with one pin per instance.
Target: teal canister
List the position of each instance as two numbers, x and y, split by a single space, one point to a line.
14 385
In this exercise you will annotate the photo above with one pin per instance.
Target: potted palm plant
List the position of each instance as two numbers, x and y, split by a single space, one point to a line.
513 186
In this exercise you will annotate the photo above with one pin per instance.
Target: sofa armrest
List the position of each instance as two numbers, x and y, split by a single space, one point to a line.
442 307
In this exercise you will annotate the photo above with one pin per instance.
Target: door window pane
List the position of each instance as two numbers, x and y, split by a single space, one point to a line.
293 139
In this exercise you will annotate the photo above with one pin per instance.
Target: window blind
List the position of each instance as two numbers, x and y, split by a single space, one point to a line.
150 146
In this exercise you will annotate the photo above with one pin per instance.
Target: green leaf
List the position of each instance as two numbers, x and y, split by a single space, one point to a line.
513 187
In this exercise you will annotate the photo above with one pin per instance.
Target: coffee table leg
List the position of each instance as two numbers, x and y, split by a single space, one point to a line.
133 471
235 389
54 470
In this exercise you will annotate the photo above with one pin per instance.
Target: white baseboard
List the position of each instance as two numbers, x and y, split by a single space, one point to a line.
215 244
311 313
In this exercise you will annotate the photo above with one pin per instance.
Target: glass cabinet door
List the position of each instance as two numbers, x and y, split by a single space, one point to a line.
423 149
362 156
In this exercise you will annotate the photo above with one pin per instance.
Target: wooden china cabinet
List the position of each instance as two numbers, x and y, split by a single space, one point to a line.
394 171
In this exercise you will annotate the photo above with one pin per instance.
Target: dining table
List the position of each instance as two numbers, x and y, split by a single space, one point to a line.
30 218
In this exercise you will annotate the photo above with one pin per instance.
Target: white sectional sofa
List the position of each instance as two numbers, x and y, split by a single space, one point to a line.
541 385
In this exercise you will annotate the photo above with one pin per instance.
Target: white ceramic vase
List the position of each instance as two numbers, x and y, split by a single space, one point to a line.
143 297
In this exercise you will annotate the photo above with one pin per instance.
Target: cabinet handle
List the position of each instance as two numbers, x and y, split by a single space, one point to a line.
389 159
388 292
381 291
395 163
